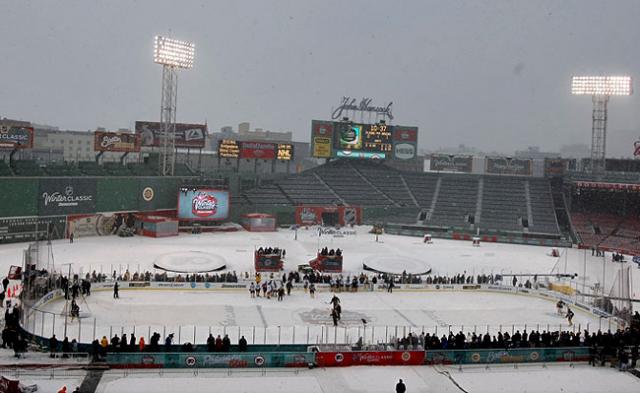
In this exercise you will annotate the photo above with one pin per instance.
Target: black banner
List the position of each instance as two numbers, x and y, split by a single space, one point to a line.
508 166
24 229
451 163
66 196
187 135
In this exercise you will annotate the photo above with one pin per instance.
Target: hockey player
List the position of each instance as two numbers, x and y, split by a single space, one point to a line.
559 307
569 316
252 290
116 287
312 290
335 301
75 310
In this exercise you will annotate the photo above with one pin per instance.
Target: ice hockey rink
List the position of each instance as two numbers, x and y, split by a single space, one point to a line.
192 314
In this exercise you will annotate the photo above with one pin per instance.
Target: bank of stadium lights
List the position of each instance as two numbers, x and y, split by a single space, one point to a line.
600 88
172 55
601 85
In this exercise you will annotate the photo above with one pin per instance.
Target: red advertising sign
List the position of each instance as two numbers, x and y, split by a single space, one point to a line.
320 128
405 134
258 150
14 137
386 358
116 142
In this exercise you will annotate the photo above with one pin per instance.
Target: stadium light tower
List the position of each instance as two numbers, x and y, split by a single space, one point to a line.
172 55
600 88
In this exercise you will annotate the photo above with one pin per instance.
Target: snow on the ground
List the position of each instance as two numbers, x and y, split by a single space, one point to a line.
526 378
105 254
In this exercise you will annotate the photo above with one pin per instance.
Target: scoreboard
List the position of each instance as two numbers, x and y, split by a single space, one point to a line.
358 140
228 148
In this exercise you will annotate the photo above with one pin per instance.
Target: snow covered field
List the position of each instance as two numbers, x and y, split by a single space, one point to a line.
236 250
528 378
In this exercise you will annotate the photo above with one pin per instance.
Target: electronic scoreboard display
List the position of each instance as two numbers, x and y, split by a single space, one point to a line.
373 138
336 139
228 149
285 151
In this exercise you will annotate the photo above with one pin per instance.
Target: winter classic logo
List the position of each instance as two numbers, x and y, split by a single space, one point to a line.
307 215
204 205
66 199
148 194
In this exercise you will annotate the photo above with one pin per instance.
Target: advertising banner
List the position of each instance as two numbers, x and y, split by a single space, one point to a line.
228 148
66 196
258 150
554 166
116 142
451 163
508 166
525 355
312 215
285 151
203 205
321 147
357 358
94 224
322 139
210 360
405 134
16 137
187 135
404 151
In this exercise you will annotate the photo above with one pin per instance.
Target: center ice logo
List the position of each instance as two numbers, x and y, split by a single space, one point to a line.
204 205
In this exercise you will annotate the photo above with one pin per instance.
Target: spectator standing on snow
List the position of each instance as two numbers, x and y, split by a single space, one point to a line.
400 387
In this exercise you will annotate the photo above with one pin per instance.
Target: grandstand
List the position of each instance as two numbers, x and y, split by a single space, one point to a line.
504 203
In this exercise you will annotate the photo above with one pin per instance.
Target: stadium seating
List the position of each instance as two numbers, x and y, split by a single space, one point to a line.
62 169
142 169
457 199
607 231
116 169
5 170
91 168
183 170
27 168
352 187
503 202
307 189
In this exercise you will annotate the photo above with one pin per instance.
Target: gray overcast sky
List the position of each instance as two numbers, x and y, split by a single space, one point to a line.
491 74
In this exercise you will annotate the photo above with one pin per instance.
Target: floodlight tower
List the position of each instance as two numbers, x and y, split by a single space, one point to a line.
600 88
172 55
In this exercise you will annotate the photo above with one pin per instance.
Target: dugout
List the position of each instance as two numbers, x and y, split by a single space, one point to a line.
156 226
258 222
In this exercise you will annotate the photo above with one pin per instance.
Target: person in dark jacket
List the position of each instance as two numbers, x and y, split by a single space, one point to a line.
242 344
211 343
66 348
226 343
400 387
53 345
